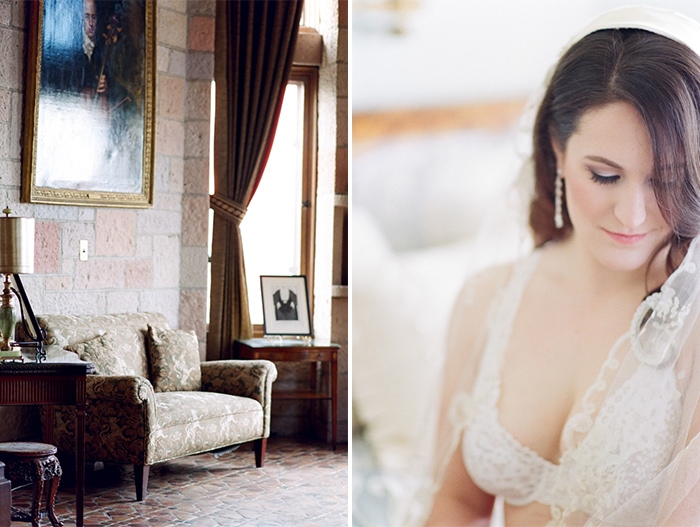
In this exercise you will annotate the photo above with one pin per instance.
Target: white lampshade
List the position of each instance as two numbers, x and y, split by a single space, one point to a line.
16 245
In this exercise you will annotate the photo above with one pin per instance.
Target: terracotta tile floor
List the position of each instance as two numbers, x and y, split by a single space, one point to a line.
303 483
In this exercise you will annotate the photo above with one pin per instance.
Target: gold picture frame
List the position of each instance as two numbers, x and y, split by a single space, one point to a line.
89 114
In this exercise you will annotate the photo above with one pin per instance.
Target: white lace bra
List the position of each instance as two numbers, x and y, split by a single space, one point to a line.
606 457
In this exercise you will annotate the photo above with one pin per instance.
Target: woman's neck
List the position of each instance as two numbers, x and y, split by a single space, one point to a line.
588 274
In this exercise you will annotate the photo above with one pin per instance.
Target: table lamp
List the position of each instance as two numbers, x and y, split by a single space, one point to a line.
16 256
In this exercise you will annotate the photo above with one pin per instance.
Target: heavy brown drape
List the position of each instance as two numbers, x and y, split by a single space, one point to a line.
255 42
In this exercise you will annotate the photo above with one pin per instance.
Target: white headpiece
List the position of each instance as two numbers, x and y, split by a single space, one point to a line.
664 22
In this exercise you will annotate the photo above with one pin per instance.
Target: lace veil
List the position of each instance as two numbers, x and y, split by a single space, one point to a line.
663 343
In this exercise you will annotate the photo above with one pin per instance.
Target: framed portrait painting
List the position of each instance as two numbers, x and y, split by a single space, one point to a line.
89 121
285 306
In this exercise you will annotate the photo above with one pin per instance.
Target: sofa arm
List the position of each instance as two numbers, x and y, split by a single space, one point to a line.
119 417
126 389
246 378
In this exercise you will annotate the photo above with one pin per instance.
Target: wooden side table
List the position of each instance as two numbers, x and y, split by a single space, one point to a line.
293 350
51 383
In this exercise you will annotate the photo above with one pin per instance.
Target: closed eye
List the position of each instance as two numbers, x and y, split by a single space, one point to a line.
604 180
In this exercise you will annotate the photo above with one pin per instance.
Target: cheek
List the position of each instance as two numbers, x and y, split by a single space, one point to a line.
584 200
655 212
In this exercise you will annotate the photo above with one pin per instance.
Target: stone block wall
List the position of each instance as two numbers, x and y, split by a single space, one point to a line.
201 16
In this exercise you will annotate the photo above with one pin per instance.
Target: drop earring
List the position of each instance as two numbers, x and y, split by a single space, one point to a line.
558 195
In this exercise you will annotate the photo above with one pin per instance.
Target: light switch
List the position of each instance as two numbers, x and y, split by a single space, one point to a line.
83 250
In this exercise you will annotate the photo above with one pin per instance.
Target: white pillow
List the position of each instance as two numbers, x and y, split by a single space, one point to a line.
434 189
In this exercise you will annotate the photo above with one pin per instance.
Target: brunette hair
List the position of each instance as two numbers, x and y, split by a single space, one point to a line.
661 79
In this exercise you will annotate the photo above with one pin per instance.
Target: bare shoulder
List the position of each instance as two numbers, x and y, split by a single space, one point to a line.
470 312
480 288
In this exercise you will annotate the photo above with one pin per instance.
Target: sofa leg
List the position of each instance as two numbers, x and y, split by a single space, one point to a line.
260 445
141 479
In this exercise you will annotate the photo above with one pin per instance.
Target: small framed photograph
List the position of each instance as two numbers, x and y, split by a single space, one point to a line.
285 305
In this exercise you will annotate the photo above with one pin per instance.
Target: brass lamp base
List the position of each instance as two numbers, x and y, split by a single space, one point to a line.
7 317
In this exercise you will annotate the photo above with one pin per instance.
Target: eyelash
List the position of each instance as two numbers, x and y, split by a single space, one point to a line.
604 180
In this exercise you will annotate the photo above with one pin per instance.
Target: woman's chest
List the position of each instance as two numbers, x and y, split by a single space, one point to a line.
555 354
571 440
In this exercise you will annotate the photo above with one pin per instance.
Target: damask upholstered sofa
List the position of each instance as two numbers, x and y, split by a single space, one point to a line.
151 400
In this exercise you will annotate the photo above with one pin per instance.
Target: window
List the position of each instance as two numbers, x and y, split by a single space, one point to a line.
278 229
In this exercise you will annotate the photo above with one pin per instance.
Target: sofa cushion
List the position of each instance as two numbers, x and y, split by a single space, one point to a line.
174 356
181 408
193 422
132 328
102 351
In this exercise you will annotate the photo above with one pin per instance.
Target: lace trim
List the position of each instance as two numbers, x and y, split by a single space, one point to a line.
464 405
582 421
660 317
499 336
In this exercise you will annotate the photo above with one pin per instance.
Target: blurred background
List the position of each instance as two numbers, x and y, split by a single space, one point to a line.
437 89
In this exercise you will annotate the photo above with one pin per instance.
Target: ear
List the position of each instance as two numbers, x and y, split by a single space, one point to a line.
558 150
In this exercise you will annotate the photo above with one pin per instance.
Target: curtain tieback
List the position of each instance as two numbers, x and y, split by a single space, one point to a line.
227 208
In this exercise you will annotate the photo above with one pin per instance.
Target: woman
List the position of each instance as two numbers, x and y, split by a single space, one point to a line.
573 377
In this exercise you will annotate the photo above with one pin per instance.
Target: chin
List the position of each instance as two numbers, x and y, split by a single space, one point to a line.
626 258
624 264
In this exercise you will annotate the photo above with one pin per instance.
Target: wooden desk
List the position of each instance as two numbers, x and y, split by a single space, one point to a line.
51 383
292 350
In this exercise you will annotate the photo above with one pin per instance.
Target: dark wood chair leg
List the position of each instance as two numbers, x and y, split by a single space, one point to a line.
51 502
141 479
260 445
36 502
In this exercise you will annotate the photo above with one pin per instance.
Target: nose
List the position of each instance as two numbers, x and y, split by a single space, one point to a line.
631 207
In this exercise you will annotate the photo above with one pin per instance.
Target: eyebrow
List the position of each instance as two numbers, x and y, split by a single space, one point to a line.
605 160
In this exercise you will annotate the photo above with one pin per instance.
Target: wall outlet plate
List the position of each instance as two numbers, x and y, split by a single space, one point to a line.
83 250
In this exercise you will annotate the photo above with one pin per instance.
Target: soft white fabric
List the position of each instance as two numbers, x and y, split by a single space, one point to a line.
664 22
428 211
431 190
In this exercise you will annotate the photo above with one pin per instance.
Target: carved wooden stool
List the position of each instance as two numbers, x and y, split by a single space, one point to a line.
33 463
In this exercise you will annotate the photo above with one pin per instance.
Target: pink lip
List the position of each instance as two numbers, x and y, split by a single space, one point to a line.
625 239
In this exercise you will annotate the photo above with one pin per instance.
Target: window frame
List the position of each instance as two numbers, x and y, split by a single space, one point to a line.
309 77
